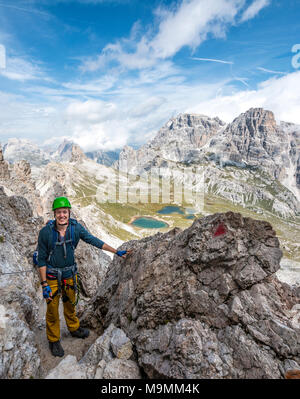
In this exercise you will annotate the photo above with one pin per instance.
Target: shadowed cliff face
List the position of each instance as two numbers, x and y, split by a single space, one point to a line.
23 353
204 302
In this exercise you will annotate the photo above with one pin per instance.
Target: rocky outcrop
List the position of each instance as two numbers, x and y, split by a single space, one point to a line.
246 151
298 173
21 301
4 167
18 149
18 301
22 170
17 180
254 139
77 155
68 151
92 265
106 158
204 302
109 357
177 141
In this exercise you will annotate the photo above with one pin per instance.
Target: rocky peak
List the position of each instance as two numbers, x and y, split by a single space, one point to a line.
106 158
193 120
64 151
18 149
254 139
68 151
22 170
4 166
256 120
176 141
187 130
77 155
197 294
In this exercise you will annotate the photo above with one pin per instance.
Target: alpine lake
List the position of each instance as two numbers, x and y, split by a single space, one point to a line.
148 222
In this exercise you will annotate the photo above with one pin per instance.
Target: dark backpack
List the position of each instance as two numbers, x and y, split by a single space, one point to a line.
55 241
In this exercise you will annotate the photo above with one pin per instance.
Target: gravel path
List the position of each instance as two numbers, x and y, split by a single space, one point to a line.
72 346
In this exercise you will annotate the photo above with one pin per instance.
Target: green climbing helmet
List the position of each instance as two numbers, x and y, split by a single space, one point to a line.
61 202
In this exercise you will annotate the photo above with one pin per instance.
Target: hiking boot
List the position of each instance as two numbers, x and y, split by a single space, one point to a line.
80 333
56 349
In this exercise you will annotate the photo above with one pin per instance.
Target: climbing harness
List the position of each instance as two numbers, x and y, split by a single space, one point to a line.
54 273
62 285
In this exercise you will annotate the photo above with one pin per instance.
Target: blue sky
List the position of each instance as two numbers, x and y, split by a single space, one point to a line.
106 73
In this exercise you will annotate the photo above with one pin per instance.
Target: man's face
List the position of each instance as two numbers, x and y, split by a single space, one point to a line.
62 215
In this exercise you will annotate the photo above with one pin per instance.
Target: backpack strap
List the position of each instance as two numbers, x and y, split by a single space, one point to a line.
73 222
72 228
50 223
55 237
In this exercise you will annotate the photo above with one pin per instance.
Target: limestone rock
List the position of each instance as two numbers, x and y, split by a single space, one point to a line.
77 154
121 369
4 167
100 362
18 353
121 345
22 170
68 368
19 149
178 140
19 356
203 304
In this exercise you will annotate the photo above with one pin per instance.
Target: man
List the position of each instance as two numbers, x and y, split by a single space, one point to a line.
58 271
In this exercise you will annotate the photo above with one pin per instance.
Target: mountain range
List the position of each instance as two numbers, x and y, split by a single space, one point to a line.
251 165
253 141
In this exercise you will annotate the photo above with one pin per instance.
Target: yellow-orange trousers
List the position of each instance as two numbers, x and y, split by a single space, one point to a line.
52 314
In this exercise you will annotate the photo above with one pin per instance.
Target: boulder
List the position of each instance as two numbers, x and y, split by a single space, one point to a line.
204 302
100 361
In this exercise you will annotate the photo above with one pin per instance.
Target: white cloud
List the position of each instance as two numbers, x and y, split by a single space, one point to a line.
254 9
211 60
188 25
26 119
279 94
135 104
22 9
136 112
270 71
19 69
93 111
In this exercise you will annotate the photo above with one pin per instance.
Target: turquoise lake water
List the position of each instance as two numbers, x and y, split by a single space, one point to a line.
170 209
190 217
149 223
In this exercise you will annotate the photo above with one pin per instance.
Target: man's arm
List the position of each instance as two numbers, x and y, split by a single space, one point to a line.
42 271
106 247
42 257
42 254
90 239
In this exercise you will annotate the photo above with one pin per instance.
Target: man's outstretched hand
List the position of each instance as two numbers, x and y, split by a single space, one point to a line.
123 254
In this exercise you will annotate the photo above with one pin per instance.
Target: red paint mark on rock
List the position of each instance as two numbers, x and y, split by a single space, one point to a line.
221 229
